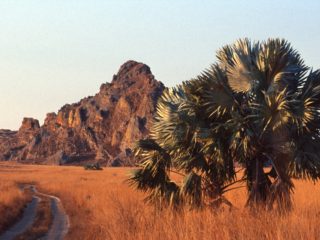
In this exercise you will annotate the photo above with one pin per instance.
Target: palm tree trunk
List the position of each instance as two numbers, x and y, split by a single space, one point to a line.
258 184
282 187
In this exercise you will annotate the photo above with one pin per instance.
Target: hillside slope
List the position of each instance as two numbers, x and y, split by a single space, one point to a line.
101 128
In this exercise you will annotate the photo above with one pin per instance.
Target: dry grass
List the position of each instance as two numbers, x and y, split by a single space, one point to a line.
12 203
101 206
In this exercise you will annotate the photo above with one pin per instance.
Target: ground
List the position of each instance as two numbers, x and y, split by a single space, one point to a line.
101 205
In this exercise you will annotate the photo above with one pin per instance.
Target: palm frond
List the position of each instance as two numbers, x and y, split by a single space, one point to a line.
306 161
191 189
238 61
213 92
281 66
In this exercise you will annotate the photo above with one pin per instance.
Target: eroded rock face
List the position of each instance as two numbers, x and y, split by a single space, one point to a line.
29 124
103 127
13 143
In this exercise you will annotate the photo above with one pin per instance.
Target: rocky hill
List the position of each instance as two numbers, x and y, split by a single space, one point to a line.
101 128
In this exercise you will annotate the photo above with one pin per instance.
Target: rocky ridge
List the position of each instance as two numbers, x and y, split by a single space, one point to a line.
101 128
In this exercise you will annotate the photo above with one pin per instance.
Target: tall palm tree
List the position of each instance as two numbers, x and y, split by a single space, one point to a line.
259 104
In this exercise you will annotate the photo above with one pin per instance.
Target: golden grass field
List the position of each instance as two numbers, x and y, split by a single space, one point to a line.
102 206
12 202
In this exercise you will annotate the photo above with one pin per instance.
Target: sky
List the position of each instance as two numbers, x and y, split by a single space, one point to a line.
57 52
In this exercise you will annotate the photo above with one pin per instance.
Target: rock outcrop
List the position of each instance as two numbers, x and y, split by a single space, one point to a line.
12 143
101 128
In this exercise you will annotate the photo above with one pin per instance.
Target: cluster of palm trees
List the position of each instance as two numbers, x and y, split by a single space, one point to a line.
257 110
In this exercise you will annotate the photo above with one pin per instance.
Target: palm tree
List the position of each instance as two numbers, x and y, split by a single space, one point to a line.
258 105
176 147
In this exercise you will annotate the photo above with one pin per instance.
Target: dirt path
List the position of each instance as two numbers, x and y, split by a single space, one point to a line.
25 222
60 224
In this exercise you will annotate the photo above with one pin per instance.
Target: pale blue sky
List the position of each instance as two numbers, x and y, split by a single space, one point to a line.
54 52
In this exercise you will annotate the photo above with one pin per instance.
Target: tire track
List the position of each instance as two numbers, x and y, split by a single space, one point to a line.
59 227
61 224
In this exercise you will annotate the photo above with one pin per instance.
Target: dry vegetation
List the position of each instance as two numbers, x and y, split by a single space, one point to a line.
102 206
12 202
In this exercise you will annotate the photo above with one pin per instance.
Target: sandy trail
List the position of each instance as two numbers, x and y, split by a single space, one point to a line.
25 222
60 224
59 227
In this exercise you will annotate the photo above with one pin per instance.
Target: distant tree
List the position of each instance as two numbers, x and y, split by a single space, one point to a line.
93 166
258 106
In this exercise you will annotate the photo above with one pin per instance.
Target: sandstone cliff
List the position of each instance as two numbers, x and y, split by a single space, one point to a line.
101 128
